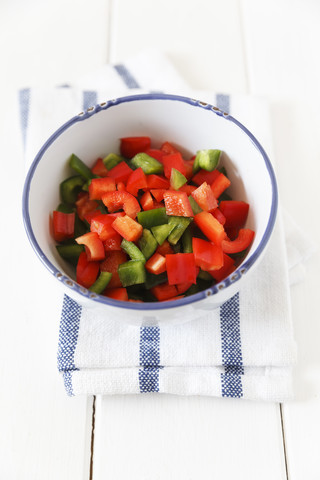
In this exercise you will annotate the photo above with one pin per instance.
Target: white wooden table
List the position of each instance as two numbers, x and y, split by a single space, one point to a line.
269 48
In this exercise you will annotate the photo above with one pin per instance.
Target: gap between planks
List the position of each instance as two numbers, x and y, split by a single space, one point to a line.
284 441
93 420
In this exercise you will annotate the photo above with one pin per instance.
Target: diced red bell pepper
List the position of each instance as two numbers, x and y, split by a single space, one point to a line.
165 248
157 181
113 242
177 204
99 186
128 228
220 184
188 189
111 264
156 264
120 172
87 272
158 193
155 153
63 225
146 201
84 205
223 272
121 187
93 246
205 176
89 216
136 181
99 168
219 216
243 240
121 200
181 268
174 160
130 146
211 227
102 225
119 293
168 148
164 291
235 212
204 197
183 287
207 255
189 168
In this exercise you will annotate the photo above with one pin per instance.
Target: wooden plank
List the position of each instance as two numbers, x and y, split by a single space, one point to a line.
281 60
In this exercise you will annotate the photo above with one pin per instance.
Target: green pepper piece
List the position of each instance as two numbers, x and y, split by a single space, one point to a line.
132 273
112 160
177 179
177 248
70 188
180 224
152 218
132 250
80 167
187 241
70 253
101 283
147 243
154 280
196 165
224 196
64 208
161 232
203 275
80 227
195 207
207 159
148 164
224 171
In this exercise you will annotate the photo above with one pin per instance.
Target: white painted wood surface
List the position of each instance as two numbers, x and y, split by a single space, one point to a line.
236 46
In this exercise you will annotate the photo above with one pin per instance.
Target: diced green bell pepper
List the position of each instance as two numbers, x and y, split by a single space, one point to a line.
132 273
65 208
132 250
147 243
148 164
187 241
207 159
180 225
154 280
80 167
152 218
112 160
177 179
161 232
101 283
70 188
70 253
205 276
195 207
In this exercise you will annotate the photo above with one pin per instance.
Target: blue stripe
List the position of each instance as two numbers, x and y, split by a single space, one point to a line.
223 102
24 101
149 359
231 383
126 76
89 99
68 337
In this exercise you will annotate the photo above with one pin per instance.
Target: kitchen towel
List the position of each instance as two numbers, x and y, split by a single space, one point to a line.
245 348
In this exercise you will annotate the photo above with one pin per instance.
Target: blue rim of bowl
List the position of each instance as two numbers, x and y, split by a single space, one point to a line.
215 289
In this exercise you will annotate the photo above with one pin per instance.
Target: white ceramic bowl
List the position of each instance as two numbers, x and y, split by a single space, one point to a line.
188 123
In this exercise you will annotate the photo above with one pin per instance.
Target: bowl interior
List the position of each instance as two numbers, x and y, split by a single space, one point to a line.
187 124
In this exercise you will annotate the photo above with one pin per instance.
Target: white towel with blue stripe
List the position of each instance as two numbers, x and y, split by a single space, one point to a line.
244 349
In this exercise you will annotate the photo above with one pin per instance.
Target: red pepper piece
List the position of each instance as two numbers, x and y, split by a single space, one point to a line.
155 153
84 205
156 264
128 228
235 212
168 148
177 204
99 168
220 184
188 189
211 227
164 291
204 197
219 216
111 264
120 172
121 200
93 245
99 186
113 242
158 193
227 268
183 287
121 187
147 201
243 240
117 293
165 248
157 181
130 146
102 225
87 272
189 168
63 225
207 255
205 176
174 160
181 268
136 181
